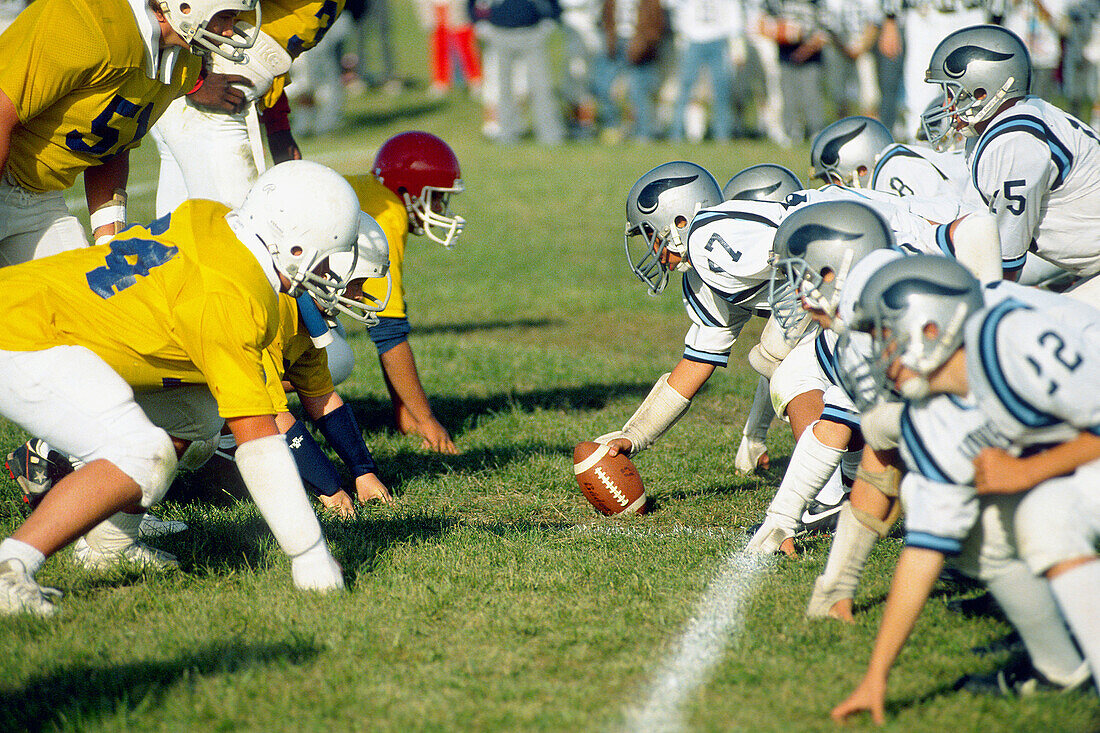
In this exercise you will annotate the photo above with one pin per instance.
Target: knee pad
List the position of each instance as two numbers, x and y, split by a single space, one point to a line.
148 457
198 453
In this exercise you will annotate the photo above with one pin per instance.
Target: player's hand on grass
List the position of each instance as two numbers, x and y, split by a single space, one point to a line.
869 696
218 93
436 438
339 504
996 472
370 488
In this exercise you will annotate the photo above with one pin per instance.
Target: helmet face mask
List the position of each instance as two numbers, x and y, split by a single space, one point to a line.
369 260
845 151
659 208
977 69
423 171
190 18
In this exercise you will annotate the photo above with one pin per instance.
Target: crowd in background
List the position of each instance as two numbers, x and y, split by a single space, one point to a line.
687 69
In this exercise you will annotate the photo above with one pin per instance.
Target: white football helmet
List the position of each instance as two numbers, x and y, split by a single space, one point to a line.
659 208
977 68
899 303
189 19
762 182
372 260
845 151
305 213
815 248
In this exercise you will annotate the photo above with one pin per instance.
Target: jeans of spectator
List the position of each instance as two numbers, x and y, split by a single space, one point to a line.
509 47
642 81
803 112
714 56
889 86
576 79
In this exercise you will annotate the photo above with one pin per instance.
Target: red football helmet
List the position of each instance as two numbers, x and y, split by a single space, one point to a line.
423 171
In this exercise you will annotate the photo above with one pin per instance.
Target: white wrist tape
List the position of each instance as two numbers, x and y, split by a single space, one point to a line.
272 479
112 213
773 348
659 411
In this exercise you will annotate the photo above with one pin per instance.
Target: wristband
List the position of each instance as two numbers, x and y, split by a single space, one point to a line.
317 471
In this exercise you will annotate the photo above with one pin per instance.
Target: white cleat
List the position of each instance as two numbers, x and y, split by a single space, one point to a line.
19 593
153 526
769 538
134 554
749 454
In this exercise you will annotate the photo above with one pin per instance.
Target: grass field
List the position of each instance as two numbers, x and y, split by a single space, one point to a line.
492 597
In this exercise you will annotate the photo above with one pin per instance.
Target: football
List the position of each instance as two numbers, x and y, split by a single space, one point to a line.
610 483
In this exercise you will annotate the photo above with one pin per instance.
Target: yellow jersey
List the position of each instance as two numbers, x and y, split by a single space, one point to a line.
293 357
390 213
297 26
181 301
76 72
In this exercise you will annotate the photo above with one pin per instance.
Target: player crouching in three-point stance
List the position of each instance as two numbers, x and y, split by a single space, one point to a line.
722 248
1028 362
191 299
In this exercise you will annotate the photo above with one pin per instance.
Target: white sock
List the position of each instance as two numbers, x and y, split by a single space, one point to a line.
1078 595
811 465
761 413
114 534
31 558
1029 606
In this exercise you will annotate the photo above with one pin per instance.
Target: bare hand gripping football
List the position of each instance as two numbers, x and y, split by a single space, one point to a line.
610 483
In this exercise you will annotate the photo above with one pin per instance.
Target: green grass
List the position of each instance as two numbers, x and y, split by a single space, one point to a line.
492 597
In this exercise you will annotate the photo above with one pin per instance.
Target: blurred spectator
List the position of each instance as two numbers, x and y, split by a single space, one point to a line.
373 26
316 90
703 31
452 36
889 65
765 52
581 42
633 31
516 32
850 59
799 29
1040 25
924 23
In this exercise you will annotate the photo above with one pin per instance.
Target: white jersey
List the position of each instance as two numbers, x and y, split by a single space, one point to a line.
1038 170
1033 364
918 170
909 218
728 246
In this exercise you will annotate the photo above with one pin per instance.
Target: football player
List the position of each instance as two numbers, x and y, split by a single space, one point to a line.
191 299
722 248
1027 360
80 85
1036 167
212 150
408 191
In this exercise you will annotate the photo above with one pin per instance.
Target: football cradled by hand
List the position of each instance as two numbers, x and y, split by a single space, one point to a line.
610 483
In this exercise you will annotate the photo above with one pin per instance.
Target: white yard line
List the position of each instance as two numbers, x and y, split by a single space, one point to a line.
716 625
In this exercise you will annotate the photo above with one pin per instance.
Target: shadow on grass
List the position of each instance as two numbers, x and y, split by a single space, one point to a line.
71 697
458 329
460 413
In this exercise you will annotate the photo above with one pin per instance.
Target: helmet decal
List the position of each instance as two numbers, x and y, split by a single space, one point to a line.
830 154
956 62
758 194
649 196
801 238
895 296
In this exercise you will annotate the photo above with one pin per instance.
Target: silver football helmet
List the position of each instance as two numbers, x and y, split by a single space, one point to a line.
189 19
371 259
763 182
978 68
937 130
898 306
845 151
659 208
305 213
815 248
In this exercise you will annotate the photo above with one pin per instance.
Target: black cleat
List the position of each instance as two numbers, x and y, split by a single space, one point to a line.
36 468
